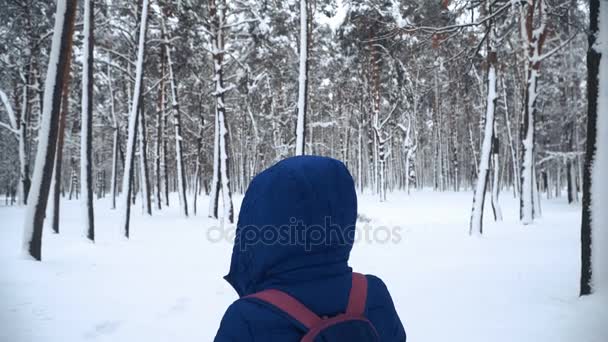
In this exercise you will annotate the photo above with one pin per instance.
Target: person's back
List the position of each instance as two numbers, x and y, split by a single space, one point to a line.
295 233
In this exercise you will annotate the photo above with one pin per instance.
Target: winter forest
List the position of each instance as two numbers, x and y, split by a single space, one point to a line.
130 130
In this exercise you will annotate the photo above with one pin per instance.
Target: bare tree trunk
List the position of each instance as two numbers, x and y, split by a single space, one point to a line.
489 143
65 104
302 80
73 179
514 159
56 75
496 176
360 158
24 169
86 136
476 225
115 140
143 159
160 128
534 42
221 180
215 181
133 122
181 173
594 218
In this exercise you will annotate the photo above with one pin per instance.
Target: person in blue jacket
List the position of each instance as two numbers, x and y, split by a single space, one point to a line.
294 233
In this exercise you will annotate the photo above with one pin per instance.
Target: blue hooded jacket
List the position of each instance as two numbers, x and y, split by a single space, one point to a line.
295 232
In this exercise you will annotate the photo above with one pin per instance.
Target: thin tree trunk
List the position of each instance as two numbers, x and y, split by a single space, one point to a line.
133 122
496 176
181 175
221 168
24 167
476 224
115 140
510 138
65 104
24 170
215 186
143 160
534 40
302 80
86 136
159 128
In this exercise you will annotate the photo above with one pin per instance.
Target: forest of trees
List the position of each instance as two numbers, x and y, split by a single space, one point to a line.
150 97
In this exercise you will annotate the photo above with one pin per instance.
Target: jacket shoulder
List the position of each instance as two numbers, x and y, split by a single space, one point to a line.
249 320
382 312
235 324
377 293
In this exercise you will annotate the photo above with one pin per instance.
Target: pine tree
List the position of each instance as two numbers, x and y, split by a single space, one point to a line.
133 121
86 136
55 81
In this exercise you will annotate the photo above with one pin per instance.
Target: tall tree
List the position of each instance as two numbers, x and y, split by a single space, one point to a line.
221 177
489 134
594 236
86 135
18 127
160 109
116 138
177 123
133 121
476 224
302 80
533 39
65 104
45 156
144 176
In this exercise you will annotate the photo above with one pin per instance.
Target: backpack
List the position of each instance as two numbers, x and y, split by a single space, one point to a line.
350 326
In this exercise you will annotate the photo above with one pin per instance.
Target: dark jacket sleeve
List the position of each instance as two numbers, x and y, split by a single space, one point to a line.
234 327
381 311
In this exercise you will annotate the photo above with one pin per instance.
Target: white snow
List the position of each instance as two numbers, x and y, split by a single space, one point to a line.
165 283
9 111
334 22
396 14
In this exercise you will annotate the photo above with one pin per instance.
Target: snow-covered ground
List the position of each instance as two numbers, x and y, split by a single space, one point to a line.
515 283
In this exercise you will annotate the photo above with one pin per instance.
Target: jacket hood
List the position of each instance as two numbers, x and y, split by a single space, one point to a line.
297 219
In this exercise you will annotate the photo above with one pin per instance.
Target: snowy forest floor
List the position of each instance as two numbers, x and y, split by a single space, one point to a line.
515 283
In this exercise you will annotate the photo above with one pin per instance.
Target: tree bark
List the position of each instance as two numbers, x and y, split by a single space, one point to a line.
221 168
86 136
65 104
181 172
55 80
302 80
476 224
143 159
591 220
133 122
115 140
534 39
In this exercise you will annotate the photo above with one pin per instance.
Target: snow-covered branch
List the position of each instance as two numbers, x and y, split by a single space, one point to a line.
557 48
9 110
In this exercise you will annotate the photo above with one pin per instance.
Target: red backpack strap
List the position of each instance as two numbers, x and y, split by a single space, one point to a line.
358 295
289 305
